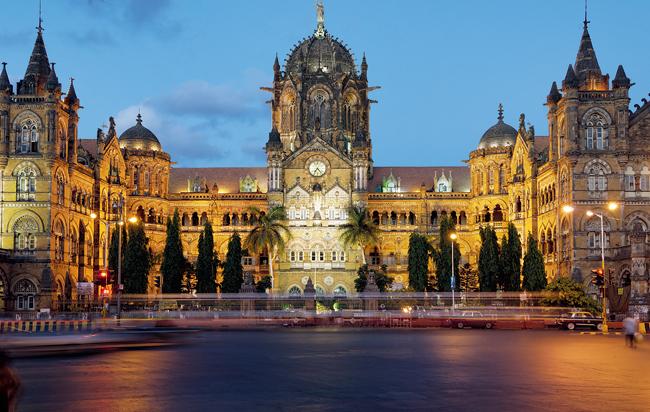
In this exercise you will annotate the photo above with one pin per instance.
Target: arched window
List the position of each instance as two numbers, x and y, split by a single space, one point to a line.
294 291
486 214
147 182
594 235
26 183
204 218
597 181
235 219
462 218
151 216
25 292
140 213
136 179
185 220
74 246
412 218
596 132
59 238
375 217
518 205
434 217
339 291
25 230
226 220
28 137
195 219
393 218
497 214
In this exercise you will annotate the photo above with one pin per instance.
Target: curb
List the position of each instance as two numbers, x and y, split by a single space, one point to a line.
45 326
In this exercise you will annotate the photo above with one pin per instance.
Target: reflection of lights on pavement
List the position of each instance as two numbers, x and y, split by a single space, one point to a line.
407 309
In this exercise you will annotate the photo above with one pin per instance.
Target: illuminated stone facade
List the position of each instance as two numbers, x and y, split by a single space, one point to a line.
319 162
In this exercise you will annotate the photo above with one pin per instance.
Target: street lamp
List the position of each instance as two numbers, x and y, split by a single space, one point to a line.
611 206
568 209
453 236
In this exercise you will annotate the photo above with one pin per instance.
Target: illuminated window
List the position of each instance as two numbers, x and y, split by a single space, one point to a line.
28 137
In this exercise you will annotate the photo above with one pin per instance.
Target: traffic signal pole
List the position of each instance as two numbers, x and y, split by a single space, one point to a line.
602 266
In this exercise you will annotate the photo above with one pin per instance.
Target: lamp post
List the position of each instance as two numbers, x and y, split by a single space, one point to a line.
611 206
453 237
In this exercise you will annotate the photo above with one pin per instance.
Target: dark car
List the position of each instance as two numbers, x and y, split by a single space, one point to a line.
574 320
472 319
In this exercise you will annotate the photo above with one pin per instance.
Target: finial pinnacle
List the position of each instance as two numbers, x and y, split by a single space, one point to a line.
40 17
585 22
500 110
320 19
139 117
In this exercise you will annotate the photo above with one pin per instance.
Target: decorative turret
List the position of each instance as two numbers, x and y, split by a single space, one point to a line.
5 84
274 141
276 69
71 98
364 68
554 95
570 80
38 68
53 81
621 80
499 135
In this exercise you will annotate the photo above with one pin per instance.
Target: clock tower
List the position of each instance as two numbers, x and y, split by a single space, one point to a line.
318 158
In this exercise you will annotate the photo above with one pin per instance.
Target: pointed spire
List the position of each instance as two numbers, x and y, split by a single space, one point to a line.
52 80
71 97
5 84
364 67
500 111
570 80
138 118
586 61
554 95
276 68
38 68
621 79
274 141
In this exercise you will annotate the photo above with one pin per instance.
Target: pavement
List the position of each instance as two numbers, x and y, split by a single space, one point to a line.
327 369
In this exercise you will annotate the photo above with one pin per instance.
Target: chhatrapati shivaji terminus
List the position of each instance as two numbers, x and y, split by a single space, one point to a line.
62 195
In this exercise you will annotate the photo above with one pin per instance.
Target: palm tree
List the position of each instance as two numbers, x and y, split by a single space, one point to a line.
270 233
359 230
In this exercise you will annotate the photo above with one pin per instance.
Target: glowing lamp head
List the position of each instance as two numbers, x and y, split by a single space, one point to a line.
568 209
133 219
453 236
590 213
93 215
103 274
612 206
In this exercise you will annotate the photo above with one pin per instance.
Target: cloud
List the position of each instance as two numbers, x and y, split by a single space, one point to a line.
151 16
203 99
92 37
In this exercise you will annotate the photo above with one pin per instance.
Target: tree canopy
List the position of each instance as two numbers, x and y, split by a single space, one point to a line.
137 260
233 272
359 230
205 266
382 279
510 279
488 260
173 262
534 271
418 262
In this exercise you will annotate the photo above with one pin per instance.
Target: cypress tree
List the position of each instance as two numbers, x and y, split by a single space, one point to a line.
442 256
534 272
173 261
137 261
233 272
418 262
511 260
113 249
205 268
488 260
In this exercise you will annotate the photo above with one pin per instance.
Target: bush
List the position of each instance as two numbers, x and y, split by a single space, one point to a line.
566 292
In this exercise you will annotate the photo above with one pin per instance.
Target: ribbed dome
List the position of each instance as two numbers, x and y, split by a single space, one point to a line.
499 135
320 52
139 137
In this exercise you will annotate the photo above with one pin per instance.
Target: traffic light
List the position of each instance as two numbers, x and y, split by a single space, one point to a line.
156 281
598 277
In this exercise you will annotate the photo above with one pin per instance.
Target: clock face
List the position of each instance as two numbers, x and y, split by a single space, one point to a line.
317 168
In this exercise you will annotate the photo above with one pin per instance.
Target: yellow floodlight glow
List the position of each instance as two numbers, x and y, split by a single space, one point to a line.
93 215
612 206
590 213
568 209
133 219
453 236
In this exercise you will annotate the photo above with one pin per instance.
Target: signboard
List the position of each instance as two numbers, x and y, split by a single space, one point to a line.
85 288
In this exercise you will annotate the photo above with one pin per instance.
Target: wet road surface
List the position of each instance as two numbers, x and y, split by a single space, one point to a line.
357 370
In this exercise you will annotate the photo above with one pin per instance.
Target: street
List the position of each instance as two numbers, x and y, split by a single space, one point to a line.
348 369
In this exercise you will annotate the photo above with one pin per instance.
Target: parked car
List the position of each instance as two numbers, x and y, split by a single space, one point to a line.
472 319
572 320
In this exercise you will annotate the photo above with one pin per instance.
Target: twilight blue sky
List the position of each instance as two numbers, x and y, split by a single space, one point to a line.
194 68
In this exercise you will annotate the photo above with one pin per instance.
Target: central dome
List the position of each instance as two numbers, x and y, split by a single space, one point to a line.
139 137
320 52
499 135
